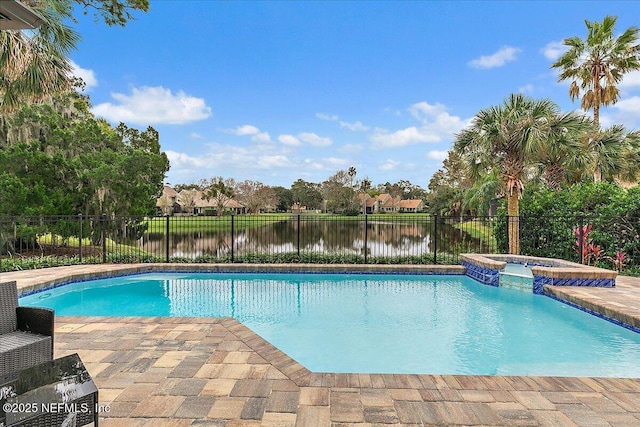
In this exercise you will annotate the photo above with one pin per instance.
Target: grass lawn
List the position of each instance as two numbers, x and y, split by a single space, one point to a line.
187 224
479 230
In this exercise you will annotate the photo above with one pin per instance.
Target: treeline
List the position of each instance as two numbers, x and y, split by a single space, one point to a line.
58 159
338 194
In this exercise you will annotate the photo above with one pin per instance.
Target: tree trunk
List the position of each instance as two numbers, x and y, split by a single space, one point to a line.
554 176
513 227
597 174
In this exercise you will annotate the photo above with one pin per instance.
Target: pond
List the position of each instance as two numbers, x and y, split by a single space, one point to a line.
383 238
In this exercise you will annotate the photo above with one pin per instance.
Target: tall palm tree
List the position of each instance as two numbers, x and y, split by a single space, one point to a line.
597 64
352 172
505 138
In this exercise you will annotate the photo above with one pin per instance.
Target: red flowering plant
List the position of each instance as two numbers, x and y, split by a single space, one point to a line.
590 253
618 261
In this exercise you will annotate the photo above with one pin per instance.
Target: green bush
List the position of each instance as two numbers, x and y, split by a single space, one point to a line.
548 220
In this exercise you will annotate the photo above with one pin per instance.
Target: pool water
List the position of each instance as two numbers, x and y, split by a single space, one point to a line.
431 324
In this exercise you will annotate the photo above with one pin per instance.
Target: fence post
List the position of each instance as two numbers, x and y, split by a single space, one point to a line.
435 238
80 238
366 235
166 234
506 240
581 238
298 243
232 237
104 238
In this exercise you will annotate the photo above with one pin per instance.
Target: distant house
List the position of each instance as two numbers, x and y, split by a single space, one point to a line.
412 205
193 202
297 208
388 204
167 203
368 204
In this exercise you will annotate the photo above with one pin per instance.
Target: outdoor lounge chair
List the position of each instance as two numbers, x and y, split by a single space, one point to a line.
26 333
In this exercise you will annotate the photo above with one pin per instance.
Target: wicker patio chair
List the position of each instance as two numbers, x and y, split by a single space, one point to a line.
26 333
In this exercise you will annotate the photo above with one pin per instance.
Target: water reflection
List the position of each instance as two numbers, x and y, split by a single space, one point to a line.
319 235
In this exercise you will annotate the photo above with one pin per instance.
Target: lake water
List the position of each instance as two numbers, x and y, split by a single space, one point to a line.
383 238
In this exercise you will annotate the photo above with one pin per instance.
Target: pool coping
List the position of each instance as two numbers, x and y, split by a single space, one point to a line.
43 279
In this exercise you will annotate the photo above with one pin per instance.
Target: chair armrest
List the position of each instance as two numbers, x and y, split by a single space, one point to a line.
37 320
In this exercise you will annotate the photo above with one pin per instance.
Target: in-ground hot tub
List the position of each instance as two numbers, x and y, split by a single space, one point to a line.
488 269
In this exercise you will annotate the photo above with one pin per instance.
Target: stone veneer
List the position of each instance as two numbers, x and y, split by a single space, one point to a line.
546 271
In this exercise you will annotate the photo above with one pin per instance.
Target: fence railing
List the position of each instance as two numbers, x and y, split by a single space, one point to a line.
401 238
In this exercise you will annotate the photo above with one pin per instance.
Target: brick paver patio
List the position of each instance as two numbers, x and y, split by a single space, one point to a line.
217 372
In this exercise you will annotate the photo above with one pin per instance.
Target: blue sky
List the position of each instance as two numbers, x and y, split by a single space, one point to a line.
274 91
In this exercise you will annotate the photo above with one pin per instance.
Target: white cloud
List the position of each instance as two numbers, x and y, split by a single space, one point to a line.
625 112
389 165
184 161
334 162
325 163
437 155
351 149
356 127
630 81
327 117
275 161
403 137
312 164
502 56
254 132
553 50
244 130
226 159
152 105
87 76
437 125
261 137
195 135
314 140
629 105
289 140
528 88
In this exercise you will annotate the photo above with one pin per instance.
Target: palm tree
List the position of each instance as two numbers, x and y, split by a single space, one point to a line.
596 65
505 138
617 154
35 64
566 149
352 172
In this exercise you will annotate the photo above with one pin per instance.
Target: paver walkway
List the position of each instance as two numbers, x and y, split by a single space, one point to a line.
217 372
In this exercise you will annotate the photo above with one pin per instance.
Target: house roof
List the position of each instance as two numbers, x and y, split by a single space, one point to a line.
411 203
391 202
168 191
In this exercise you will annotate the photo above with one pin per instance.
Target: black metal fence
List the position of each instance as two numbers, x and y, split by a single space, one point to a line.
398 238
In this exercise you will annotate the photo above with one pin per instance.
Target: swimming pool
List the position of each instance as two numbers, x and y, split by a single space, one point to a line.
432 324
